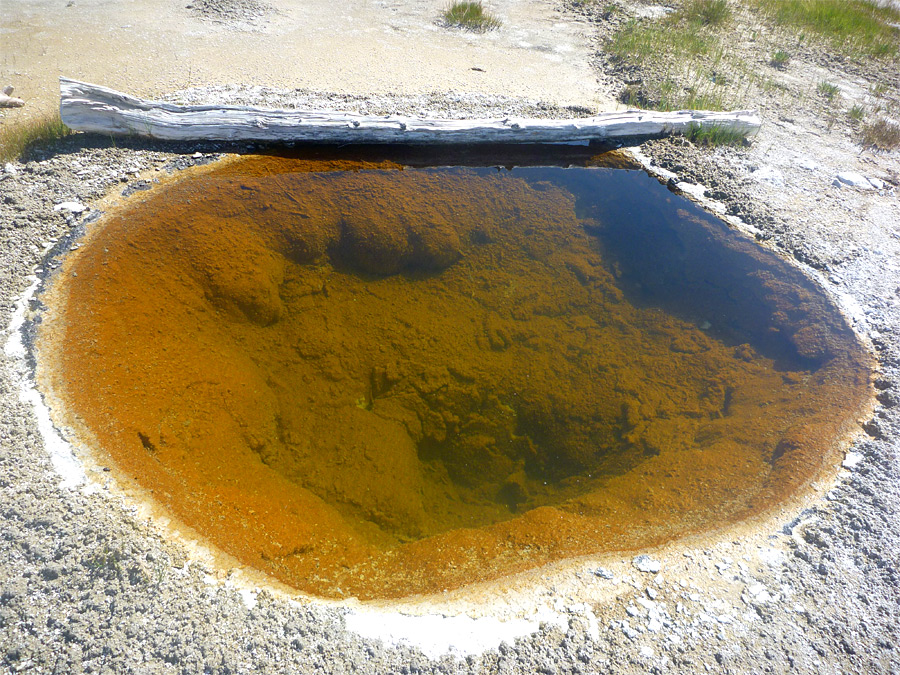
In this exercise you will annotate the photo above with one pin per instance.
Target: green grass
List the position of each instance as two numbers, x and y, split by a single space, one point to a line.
710 135
17 139
687 46
640 41
828 90
882 134
471 16
853 26
856 113
780 59
685 33
669 95
706 12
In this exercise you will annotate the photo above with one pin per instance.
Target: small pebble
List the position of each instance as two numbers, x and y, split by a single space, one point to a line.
851 460
72 207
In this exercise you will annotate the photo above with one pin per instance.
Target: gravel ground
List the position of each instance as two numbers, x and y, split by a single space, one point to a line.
234 13
89 584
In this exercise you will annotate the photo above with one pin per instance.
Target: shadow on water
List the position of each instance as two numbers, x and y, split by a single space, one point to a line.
669 253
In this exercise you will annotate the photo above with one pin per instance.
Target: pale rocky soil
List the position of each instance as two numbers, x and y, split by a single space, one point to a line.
153 47
88 585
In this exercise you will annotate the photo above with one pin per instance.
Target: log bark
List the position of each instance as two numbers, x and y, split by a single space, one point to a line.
91 108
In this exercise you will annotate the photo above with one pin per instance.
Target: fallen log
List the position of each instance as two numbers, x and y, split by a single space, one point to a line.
87 107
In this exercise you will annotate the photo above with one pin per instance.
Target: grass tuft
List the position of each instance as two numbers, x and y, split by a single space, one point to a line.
828 90
471 16
17 139
711 135
882 134
780 59
707 12
851 25
857 113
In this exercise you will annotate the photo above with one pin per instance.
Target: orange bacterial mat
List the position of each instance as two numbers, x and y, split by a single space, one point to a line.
373 380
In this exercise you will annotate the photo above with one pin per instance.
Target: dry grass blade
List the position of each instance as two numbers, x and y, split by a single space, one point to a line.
882 134
16 139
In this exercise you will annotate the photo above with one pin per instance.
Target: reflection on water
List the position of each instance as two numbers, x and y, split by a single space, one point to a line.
375 380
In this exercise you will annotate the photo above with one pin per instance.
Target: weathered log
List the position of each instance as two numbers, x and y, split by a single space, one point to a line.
87 107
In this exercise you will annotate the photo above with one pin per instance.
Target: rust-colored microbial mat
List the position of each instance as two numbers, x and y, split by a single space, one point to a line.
374 380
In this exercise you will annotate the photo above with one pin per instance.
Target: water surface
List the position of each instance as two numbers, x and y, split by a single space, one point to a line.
372 379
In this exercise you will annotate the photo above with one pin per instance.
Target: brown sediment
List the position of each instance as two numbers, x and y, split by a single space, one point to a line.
373 381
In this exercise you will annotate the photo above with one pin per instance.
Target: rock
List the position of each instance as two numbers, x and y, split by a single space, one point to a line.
10 168
646 652
646 604
851 460
768 174
8 101
852 179
645 563
629 631
652 12
808 164
654 625
603 573
72 207
692 189
877 183
651 593
757 594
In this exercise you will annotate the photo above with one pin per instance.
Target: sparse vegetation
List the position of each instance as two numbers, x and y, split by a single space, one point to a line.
829 90
882 134
106 564
16 139
853 26
857 113
669 95
687 58
780 59
686 44
707 12
714 135
471 16
640 40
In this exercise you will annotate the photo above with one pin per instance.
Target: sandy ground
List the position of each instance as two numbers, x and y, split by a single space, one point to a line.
89 584
151 47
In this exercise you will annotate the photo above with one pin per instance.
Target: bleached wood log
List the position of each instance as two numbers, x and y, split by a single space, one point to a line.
87 107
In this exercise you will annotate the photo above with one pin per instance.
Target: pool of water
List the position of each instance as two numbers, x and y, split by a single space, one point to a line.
374 378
